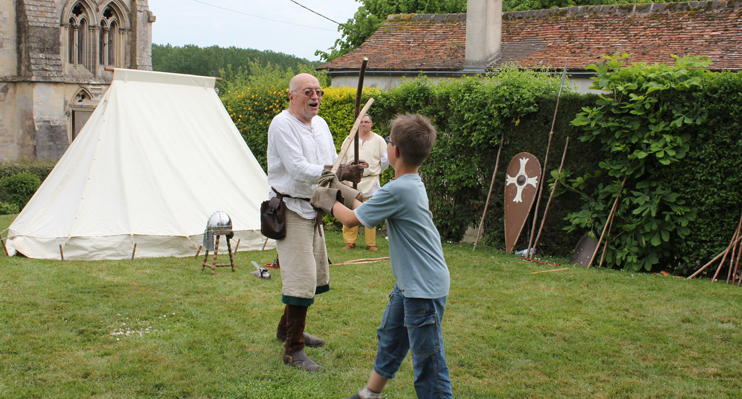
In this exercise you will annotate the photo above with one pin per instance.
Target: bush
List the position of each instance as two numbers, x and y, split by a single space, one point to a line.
38 168
7 208
18 189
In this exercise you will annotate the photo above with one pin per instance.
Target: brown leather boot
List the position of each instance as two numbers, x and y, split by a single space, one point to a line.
350 245
309 339
301 361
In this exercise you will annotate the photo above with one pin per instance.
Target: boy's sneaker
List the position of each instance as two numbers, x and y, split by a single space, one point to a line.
366 394
301 361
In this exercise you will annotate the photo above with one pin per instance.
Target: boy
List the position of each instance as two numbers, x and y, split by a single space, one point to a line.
412 318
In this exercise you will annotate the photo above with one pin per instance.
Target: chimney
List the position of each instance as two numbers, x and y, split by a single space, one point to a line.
483 34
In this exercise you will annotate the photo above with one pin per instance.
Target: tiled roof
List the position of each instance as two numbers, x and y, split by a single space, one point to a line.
548 38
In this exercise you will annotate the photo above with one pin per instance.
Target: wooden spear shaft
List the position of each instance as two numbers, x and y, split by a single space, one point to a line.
556 182
489 194
734 240
529 249
610 215
734 275
353 131
709 263
359 92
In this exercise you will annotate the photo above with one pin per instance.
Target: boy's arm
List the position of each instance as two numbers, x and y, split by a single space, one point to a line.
346 216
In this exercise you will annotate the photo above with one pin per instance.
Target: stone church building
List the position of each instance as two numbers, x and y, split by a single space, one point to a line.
53 60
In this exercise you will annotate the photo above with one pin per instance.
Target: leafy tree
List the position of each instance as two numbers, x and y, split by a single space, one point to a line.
211 61
372 14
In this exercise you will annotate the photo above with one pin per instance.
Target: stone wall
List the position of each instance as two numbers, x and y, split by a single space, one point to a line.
8 57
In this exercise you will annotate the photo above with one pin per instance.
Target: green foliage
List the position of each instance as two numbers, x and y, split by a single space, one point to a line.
643 123
210 61
18 189
7 208
38 168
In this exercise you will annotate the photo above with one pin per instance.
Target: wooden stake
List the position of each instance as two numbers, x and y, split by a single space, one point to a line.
359 92
133 252
605 246
61 252
734 275
236 247
198 252
707 265
529 248
264 244
489 194
610 215
556 182
731 243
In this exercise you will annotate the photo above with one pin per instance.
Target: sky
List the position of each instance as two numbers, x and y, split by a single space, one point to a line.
278 25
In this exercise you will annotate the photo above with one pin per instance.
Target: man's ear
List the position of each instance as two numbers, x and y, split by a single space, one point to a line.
396 151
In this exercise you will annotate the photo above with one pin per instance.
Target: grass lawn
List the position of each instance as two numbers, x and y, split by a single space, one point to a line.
162 328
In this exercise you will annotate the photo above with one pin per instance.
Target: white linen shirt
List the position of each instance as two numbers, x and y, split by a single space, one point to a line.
297 155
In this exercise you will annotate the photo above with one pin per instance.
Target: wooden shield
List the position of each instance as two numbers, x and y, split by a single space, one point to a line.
521 187
584 250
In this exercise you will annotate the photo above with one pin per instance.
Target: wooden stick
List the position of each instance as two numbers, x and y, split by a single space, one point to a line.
551 271
734 275
610 215
236 247
134 251
539 261
264 244
359 92
556 182
731 260
734 238
61 252
364 260
529 248
198 252
352 133
707 264
605 246
489 194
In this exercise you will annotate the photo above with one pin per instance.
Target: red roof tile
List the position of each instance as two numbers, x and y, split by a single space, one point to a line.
579 35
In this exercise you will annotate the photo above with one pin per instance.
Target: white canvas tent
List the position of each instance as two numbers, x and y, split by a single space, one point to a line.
156 158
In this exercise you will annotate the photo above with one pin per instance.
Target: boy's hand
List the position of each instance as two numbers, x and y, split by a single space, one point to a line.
324 199
328 179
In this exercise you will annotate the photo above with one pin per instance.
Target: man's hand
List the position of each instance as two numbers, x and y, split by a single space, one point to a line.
352 171
330 180
324 199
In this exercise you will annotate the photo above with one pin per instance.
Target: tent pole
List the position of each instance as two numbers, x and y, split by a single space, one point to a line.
61 252
198 252
134 251
236 247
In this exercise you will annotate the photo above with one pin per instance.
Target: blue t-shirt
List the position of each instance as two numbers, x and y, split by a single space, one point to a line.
414 243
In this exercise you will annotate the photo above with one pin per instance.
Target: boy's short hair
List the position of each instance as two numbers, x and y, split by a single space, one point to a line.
414 135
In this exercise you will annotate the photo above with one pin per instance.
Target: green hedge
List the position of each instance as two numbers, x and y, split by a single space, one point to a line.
38 168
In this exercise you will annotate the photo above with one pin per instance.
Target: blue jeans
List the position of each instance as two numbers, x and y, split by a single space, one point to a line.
414 324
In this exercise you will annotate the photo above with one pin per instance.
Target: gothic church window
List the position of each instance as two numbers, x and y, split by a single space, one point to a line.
80 47
112 37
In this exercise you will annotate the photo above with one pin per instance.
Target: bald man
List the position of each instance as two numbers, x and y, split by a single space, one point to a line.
300 148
